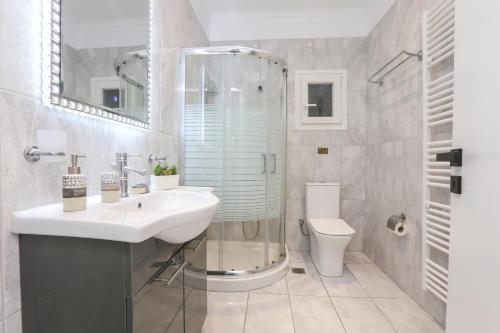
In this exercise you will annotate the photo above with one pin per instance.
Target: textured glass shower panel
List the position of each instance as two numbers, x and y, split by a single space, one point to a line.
234 143
245 141
203 128
277 154
245 158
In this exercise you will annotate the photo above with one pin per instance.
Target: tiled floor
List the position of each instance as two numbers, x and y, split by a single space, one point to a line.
364 300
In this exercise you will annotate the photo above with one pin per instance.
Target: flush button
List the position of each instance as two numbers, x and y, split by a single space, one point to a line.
323 151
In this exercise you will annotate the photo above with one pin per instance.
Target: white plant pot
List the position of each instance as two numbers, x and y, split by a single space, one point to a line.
160 183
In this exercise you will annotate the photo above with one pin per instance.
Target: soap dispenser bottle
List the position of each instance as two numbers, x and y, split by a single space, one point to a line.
74 187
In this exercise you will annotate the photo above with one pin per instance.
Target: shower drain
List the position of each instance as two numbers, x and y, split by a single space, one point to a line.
297 270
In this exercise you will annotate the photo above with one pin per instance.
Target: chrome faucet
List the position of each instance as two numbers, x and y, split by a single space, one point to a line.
123 169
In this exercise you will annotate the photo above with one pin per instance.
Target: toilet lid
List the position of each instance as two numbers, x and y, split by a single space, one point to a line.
332 227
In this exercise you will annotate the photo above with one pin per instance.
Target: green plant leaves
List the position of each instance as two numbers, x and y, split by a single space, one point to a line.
163 169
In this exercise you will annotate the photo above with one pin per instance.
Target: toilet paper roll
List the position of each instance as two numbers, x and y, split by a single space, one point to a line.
400 229
397 226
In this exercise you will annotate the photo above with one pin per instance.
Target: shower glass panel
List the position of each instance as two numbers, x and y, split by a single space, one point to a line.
234 139
276 100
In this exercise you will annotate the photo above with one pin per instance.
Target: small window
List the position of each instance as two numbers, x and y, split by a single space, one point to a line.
321 100
111 98
320 96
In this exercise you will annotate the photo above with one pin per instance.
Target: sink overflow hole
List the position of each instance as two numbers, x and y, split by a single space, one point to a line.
139 205
296 270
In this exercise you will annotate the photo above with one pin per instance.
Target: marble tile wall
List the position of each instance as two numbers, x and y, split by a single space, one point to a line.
346 161
394 154
25 185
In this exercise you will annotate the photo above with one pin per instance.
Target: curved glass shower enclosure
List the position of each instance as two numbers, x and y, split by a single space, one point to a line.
234 140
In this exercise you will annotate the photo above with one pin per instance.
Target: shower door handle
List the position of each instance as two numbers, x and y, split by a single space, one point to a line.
274 163
264 158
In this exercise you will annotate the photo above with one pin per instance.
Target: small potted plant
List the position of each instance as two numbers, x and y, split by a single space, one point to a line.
164 177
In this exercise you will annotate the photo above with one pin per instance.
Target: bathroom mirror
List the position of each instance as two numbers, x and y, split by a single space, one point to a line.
99 58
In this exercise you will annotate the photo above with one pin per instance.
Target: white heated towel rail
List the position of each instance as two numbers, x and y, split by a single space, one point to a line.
438 49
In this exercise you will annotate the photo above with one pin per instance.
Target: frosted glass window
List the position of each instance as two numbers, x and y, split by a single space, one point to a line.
111 98
320 99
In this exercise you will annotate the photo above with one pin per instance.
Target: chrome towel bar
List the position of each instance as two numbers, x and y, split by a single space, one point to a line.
382 73
33 154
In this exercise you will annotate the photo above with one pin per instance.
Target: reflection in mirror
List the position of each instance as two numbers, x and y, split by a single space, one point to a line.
104 55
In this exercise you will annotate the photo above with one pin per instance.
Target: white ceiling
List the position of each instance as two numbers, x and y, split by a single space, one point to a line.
269 19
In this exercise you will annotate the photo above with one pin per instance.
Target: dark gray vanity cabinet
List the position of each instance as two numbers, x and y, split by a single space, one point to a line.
76 285
195 284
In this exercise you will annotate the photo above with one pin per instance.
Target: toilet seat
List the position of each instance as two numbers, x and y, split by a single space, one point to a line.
331 227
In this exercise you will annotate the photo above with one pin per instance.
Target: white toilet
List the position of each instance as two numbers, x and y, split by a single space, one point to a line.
330 235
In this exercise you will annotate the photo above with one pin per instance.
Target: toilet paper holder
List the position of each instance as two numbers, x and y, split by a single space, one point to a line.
396 223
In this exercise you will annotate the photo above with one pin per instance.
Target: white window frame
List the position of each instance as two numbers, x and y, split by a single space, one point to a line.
338 78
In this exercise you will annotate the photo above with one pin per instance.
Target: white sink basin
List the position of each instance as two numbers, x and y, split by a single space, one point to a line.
174 216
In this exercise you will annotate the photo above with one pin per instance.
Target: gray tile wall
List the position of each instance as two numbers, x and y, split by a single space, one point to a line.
394 173
346 161
25 185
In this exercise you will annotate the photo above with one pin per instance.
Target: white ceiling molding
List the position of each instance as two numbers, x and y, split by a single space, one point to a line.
307 19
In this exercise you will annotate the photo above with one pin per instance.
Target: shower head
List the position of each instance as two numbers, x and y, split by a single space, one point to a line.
128 57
